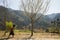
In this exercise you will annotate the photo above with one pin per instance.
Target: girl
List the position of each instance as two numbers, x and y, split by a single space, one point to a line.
12 31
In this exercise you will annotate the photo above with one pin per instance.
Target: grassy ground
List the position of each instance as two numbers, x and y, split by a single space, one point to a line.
21 34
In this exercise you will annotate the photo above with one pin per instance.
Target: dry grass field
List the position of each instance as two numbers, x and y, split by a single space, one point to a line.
26 35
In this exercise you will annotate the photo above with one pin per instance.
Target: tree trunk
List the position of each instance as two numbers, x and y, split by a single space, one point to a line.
5 24
32 25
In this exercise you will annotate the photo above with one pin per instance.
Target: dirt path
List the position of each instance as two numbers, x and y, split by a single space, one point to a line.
36 36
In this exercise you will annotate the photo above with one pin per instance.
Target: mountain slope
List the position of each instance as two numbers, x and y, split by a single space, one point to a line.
21 20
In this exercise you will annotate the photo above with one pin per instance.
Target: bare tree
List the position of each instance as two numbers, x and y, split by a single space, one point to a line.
32 8
5 4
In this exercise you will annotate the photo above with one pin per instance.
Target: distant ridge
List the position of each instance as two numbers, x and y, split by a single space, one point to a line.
20 19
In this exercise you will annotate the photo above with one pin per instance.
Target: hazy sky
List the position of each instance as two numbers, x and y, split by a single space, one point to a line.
54 5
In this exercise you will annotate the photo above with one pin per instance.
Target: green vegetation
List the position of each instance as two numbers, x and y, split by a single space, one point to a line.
16 30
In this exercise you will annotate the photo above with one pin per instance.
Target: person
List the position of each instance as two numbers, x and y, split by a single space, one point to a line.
11 31
8 25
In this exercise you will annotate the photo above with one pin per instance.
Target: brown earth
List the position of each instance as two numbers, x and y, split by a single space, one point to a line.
36 36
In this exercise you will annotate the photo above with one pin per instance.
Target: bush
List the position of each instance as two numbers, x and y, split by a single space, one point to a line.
53 30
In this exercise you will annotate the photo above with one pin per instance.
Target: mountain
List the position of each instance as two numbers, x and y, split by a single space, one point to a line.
51 16
20 19
46 20
16 16
54 16
57 16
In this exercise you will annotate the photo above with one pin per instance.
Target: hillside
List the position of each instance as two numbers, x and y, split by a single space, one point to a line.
14 15
21 20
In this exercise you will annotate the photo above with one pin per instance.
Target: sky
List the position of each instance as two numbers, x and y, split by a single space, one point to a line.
54 6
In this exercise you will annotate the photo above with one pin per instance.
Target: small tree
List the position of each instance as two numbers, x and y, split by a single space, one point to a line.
55 25
32 8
